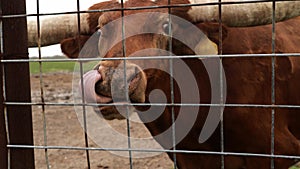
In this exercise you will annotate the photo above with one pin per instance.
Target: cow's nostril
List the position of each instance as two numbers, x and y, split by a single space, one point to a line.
134 82
103 88
97 84
137 86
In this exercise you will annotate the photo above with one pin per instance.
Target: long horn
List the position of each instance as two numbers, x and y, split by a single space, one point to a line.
54 29
248 14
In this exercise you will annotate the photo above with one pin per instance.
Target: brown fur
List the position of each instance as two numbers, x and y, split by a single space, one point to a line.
246 129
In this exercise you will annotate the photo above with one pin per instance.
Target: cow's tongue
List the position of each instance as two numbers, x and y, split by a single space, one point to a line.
89 81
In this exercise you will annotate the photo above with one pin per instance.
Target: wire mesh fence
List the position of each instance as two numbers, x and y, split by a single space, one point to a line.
63 124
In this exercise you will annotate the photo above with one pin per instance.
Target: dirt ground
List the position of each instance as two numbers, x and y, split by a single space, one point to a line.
62 128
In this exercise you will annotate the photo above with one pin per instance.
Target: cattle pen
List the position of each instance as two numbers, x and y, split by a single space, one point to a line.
45 124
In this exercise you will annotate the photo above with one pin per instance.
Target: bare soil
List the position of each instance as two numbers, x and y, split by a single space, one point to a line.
60 127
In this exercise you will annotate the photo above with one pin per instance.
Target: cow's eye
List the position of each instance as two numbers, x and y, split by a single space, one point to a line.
166 27
97 28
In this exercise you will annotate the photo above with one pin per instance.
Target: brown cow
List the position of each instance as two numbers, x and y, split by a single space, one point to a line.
246 129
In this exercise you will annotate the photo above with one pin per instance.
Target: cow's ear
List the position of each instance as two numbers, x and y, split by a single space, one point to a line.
71 46
211 29
285 67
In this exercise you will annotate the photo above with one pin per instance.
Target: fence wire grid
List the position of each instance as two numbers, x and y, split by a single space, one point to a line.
43 105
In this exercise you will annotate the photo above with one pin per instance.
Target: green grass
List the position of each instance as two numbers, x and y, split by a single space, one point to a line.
54 67
50 67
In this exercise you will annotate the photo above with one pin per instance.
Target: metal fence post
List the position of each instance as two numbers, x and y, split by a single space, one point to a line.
17 84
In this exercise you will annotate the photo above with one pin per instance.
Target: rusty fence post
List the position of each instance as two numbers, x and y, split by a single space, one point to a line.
3 139
17 84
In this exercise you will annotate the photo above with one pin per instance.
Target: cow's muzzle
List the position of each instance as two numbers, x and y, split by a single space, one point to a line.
114 84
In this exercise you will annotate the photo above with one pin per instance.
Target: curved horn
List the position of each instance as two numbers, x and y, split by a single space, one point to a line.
248 14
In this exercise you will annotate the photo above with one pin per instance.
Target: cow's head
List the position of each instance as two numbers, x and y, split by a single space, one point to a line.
140 81
140 33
